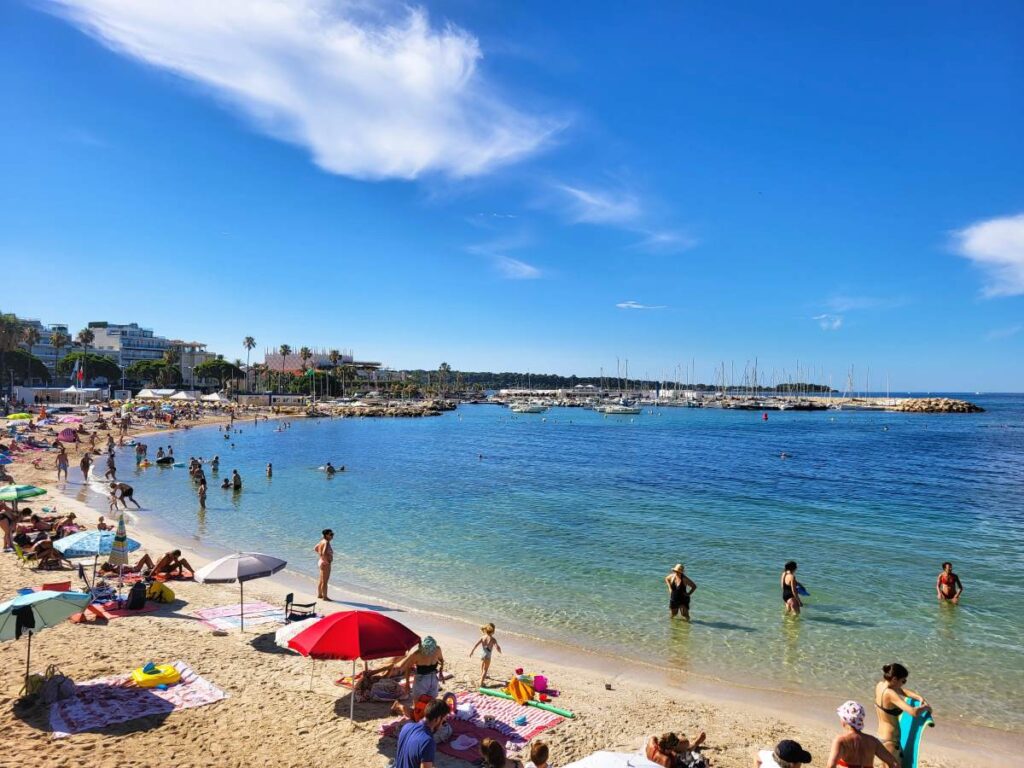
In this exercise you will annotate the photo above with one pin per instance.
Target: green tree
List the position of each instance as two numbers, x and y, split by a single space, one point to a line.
218 369
249 343
154 373
24 367
84 338
443 372
97 365
10 335
59 340
285 350
30 336
334 356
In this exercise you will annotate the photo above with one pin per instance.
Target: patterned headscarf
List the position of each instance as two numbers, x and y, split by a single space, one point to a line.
428 644
852 714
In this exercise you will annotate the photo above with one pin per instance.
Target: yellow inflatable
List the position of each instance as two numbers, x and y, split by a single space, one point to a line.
161 674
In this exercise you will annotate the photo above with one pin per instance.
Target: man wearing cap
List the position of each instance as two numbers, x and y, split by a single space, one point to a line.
787 754
680 587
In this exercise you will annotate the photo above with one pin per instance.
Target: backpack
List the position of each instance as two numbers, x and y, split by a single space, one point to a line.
136 597
159 592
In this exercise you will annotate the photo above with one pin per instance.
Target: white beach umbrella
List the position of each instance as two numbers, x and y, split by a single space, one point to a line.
288 631
240 567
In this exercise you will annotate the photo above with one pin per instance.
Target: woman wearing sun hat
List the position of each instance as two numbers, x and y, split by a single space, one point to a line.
787 754
853 748
680 587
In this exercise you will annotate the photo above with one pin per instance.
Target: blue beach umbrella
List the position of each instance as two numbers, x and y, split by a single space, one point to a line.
5 459
91 543
35 612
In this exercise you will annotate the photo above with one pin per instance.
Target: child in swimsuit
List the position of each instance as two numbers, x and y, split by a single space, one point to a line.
487 644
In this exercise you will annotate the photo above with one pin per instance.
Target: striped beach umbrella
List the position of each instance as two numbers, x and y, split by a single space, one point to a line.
119 549
19 492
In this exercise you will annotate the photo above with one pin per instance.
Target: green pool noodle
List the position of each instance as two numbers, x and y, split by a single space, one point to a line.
537 704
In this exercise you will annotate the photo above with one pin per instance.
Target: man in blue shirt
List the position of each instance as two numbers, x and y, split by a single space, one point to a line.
416 741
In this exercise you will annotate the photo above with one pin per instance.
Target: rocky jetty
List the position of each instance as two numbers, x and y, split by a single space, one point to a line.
404 409
936 405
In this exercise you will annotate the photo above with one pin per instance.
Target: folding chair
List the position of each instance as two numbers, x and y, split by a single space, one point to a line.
297 611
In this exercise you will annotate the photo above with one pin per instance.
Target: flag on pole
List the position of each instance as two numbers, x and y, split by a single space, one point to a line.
75 371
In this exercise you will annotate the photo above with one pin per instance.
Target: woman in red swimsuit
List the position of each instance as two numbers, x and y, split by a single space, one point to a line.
853 748
948 586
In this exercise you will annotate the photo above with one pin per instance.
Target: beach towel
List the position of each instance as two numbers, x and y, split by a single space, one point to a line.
110 700
225 617
504 729
613 760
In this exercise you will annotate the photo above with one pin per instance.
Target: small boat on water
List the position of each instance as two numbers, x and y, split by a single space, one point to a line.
528 407
621 408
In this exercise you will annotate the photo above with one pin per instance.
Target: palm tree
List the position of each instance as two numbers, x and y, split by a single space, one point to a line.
84 338
249 343
443 370
285 350
10 332
305 353
334 356
59 340
30 336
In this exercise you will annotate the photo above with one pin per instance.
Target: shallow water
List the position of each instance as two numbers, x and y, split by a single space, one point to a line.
568 523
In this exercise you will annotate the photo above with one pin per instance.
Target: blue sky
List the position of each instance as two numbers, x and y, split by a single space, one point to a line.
526 186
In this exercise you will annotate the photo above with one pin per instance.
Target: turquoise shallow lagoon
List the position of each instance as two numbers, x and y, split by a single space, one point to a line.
566 526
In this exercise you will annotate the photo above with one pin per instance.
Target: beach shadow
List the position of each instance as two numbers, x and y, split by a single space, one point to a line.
366 711
837 622
266 643
723 625
156 710
367 606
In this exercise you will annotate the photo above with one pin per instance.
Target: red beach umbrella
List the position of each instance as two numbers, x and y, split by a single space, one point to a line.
354 635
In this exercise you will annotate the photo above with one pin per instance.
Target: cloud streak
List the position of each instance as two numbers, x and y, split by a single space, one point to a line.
496 251
996 246
638 305
829 322
370 94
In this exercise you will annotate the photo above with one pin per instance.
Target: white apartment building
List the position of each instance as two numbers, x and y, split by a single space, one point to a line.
126 344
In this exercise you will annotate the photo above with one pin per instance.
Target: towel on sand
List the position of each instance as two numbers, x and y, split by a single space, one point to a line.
226 616
107 701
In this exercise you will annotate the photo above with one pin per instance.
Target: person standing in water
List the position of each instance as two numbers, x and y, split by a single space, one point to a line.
236 480
791 588
270 470
325 552
680 587
948 586
85 464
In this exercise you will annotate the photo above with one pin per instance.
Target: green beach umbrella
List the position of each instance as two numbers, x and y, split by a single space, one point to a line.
19 492
35 611
14 416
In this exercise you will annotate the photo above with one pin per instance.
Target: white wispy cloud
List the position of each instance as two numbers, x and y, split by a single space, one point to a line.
997 334
638 305
997 247
370 92
829 322
622 208
496 251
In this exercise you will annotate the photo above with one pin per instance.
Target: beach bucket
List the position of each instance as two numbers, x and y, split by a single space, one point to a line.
540 683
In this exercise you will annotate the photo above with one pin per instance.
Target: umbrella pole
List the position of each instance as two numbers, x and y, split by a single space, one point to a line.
352 701
241 605
312 662
28 661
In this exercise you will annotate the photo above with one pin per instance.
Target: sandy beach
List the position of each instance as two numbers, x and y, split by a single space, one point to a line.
284 710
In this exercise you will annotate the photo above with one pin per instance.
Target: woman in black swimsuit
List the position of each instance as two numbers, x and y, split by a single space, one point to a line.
891 701
680 587
790 592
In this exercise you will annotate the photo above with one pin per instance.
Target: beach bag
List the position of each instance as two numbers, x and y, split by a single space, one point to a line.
159 592
56 686
136 597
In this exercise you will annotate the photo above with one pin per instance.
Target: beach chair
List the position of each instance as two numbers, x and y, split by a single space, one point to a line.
20 554
297 611
57 586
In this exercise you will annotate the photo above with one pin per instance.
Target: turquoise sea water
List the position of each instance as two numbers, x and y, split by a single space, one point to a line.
568 523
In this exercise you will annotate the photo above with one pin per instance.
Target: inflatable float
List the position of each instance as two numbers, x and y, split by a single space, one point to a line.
537 704
152 675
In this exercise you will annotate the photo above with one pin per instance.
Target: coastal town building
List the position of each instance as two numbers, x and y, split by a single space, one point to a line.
189 355
44 349
319 360
126 344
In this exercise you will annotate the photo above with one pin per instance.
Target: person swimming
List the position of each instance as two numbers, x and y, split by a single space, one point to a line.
329 469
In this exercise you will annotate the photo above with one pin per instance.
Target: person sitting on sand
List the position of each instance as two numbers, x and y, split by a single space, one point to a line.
101 525
45 553
538 755
791 588
416 747
853 748
65 526
948 586
891 702
172 564
787 754
428 661
671 751
487 644
493 755
144 563
680 587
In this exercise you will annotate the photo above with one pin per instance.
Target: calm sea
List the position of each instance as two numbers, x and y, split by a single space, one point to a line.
564 524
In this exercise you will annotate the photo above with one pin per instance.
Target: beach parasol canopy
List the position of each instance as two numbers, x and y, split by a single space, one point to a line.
288 631
19 492
67 435
240 567
5 459
16 416
354 635
35 612
90 543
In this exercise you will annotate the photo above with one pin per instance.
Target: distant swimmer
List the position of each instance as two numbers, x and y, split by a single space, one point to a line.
680 587
785 455
948 586
329 469
270 470
226 484
791 588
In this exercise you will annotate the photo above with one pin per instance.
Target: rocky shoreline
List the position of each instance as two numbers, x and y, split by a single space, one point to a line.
936 405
